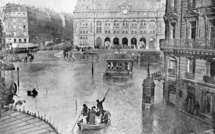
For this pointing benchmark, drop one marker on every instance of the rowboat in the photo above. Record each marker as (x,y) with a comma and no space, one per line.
(86,127)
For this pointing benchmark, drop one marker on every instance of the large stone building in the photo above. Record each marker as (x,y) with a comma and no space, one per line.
(15,24)
(133,23)
(189,56)
(1,26)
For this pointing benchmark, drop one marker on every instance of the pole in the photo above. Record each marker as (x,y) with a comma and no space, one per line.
(107,92)
(92,66)
(76,105)
(148,67)
(18,76)
(76,122)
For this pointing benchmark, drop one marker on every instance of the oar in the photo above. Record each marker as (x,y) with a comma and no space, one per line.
(107,92)
(76,121)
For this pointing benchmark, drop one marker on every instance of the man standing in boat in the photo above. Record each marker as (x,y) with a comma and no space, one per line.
(85,111)
(99,105)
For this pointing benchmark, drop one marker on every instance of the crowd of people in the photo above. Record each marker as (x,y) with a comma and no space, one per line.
(119,66)
(95,116)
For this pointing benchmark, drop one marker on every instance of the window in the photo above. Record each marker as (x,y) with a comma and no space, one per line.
(116,23)
(14,33)
(98,23)
(14,40)
(98,30)
(107,23)
(125,23)
(172,67)
(212,2)
(20,40)
(134,23)
(25,40)
(173,5)
(191,68)
(172,31)
(24,27)
(212,33)
(212,68)
(193,29)
(206,99)
(191,4)
(98,27)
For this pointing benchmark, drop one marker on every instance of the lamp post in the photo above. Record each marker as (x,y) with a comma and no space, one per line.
(92,65)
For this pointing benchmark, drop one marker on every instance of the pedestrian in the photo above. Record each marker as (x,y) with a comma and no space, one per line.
(99,105)
(92,116)
(85,111)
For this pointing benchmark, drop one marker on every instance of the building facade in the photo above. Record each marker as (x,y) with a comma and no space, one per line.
(1,26)
(189,56)
(15,24)
(129,23)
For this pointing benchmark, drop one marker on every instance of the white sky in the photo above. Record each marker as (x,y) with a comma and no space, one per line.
(58,5)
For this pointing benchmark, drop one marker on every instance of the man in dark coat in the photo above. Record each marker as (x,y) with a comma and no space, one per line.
(99,105)
(85,110)
(104,117)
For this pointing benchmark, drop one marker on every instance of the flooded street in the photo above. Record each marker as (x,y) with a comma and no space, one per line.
(61,83)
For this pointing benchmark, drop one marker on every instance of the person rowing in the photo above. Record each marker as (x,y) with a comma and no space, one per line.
(100,105)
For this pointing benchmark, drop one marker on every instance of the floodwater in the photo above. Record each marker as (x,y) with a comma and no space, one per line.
(62,83)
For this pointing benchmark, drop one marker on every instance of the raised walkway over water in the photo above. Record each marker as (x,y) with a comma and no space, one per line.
(15,121)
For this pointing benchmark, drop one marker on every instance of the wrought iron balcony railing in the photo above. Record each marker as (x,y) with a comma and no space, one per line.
(187,44)
(172,72)
(209,79)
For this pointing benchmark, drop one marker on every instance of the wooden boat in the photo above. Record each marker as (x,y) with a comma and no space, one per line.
(86,127)
(119,65)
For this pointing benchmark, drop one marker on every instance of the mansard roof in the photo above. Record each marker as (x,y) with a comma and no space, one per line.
(113,5)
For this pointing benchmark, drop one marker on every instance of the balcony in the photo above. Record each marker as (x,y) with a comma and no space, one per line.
(209,79)
(187,44)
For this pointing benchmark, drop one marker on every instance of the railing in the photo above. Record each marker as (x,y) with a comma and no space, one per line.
(187,44)
(172,72)
(44,118)
(209,79)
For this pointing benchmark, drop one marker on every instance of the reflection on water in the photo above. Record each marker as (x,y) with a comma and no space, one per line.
(61,83)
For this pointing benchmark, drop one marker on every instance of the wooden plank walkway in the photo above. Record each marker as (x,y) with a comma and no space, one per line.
(23,122)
